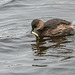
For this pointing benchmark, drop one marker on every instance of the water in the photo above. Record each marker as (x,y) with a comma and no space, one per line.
(21,53)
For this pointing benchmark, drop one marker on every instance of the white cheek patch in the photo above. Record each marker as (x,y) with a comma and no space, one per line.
(35,34)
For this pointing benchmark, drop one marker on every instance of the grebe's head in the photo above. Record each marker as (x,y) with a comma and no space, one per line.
(36,25)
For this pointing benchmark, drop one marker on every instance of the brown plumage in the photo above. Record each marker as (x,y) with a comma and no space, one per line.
(53,27)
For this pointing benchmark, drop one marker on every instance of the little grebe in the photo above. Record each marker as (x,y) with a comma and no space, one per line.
(51,28)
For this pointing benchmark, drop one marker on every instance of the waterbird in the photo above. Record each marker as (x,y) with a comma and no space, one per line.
(52,28)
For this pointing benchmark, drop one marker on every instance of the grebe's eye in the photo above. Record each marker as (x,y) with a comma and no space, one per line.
(35,26)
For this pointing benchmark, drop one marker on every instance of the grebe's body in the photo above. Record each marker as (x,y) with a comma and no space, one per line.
(53,27)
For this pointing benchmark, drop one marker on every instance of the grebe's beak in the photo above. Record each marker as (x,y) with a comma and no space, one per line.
(33,31)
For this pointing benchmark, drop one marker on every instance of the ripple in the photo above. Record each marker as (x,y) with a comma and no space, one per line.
(2,2)
(21,53)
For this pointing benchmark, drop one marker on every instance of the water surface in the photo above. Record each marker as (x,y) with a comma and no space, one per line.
(21,53)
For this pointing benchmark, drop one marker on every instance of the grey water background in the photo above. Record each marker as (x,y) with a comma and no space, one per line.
(21,53)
